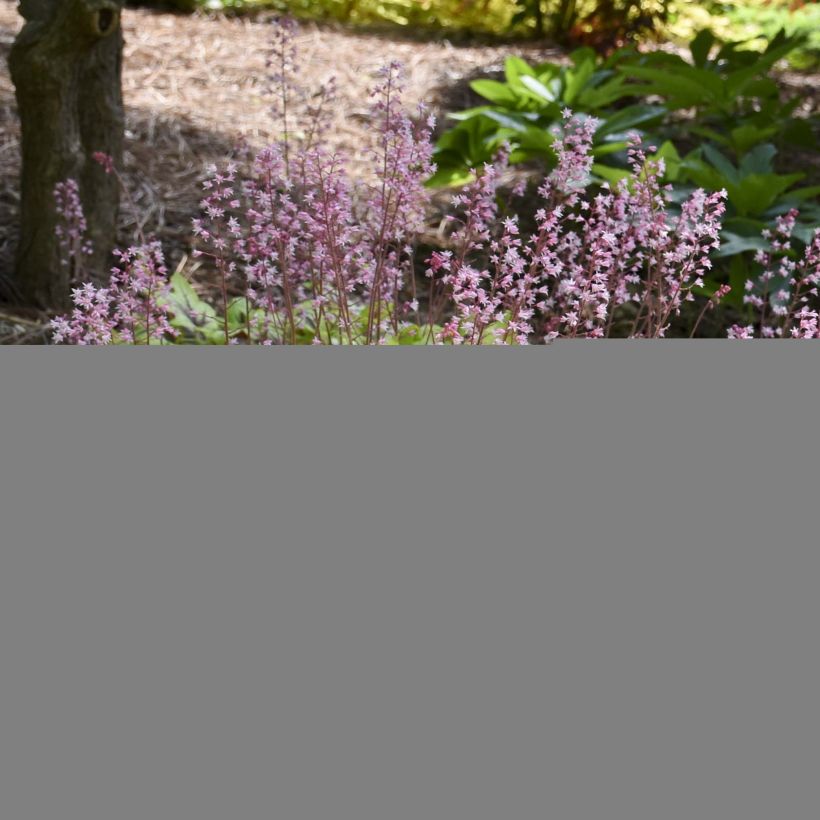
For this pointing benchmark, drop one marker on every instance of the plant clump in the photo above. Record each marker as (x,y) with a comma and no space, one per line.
(305,253)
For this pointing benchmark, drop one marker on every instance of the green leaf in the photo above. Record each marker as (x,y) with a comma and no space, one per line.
(672,160)
(610,174)
(702,174)
(758,160)
(629,118)
(547,71)
(607,148)
(515,68)
(802,194)
(758,192)
(583,56)
(701,46)
(469,113)
(575,79)
(593,98)
(721,163)
(538,141)
(507,120)
(541,91)
(761,87)
(415,335)
(685,87)
(193,317)
(450,177)
(710,134)
(732,244)
(745,137)
(495,92)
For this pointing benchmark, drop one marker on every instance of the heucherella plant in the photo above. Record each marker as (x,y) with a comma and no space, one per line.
(71,229)
(304,251)
(590,260)
(785,296)
(318,256)
(133,309)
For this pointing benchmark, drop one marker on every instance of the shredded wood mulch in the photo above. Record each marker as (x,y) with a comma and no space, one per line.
(196,90)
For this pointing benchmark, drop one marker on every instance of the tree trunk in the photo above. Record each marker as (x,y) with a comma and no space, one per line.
(66,65)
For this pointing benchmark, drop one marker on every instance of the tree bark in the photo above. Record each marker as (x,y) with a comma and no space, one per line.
(66,65)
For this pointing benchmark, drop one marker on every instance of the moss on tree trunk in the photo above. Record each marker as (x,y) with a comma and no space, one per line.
(66,65)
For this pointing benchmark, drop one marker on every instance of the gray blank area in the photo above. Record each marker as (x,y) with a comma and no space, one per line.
(570,600)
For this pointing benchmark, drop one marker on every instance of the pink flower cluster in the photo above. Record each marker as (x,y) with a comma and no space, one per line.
(785,295)
(304,241)
(587,260)
(131,310)
(71,228)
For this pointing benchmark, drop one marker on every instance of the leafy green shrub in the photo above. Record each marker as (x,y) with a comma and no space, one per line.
(727,98)
(524,107)
(725,94)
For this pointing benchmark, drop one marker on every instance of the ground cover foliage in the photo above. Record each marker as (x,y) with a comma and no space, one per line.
(305,253)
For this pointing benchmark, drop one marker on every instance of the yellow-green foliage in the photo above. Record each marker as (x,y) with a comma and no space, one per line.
(481,16)
(728,19)
(475,15)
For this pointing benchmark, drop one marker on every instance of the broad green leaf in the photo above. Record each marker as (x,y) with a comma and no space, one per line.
(450,177)
(468,113)
(583,56)
(547,71)
(415,335)
(507,120)
(495,92)
(515,68)
(607,148)
(610,174)
(685,87)
(539,89)
(745,137)
(802,194)
(758,160)
(800,133)
(702,174)
(721,163)
(538,140)
(758,192)
(592,98)
(672,160)
(762,87)
(191,315)
(732,244)
(710,134)
(629,118)
(575,79)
